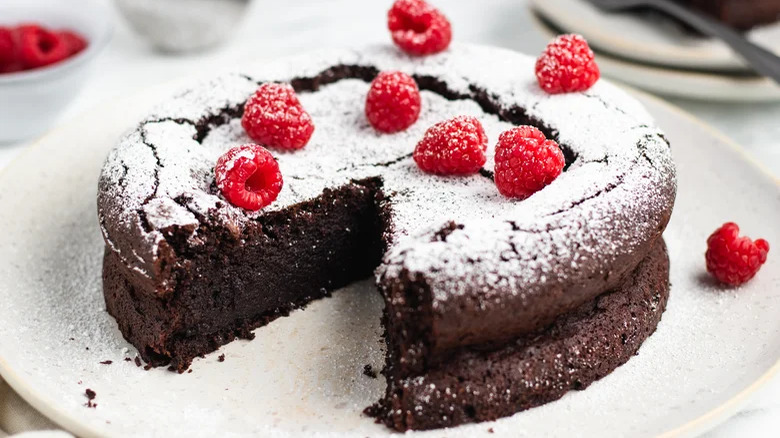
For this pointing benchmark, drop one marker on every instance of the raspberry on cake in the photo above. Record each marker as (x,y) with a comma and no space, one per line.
(526,161)
(452,147)
(248,176)
(418,28)
(475,285)
(734,259)
(567,65)
(275,117)
(392,102)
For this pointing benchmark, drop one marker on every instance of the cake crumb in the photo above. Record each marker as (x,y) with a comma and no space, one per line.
(369,371)
(189,370)
(127,359)
(221,358)
(137,361)
(107,362)
(90,397)
(490,430)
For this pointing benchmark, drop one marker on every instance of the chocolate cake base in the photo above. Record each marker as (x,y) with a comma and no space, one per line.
(474,385)
(329,242)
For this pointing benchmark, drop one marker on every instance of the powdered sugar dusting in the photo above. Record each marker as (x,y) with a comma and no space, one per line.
(603,207)
(231,163)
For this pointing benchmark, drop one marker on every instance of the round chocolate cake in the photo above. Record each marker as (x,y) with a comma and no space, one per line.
(467,274)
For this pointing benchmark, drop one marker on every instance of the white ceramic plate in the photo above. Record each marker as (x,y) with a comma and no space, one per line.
(303,374)
(675,82)
(653,40)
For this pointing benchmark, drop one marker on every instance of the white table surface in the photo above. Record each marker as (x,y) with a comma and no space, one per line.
(274,28)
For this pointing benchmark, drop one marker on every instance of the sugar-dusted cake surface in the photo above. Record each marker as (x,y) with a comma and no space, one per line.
(459,265)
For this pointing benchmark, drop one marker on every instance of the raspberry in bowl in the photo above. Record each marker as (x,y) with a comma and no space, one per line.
(46,50)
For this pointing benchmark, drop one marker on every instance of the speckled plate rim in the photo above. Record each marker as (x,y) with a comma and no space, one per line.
(689,84)
(698,425)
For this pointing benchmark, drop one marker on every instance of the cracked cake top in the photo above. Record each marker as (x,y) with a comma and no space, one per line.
(611,202)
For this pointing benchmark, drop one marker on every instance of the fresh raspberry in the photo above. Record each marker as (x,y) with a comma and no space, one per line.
(418,28)
(733,259)
(567,65)
(248,176)
(75,42)
(393,102)
(526,162)
(7,49)
(275,117)
(452,147)
(38,47)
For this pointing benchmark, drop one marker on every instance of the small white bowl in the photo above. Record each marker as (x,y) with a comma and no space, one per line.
(181,26)
(31,101)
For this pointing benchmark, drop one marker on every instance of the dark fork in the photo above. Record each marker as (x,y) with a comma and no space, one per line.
(761,60)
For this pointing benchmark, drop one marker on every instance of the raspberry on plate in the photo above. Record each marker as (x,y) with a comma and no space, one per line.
(393,102)
(567,65)
(526,162)
(39,47)
(418,28)
(733,259)
(248,177)
(274,117)
(452,147)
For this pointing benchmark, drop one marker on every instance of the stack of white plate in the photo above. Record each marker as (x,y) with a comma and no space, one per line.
(659,55)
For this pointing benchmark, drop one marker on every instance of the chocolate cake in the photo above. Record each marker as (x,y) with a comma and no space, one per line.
(467,274)
(474,384)
(740,14)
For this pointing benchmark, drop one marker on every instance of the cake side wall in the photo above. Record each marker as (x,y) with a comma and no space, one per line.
(475,385)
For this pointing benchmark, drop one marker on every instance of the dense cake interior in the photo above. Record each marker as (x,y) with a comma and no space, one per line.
(232,284)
